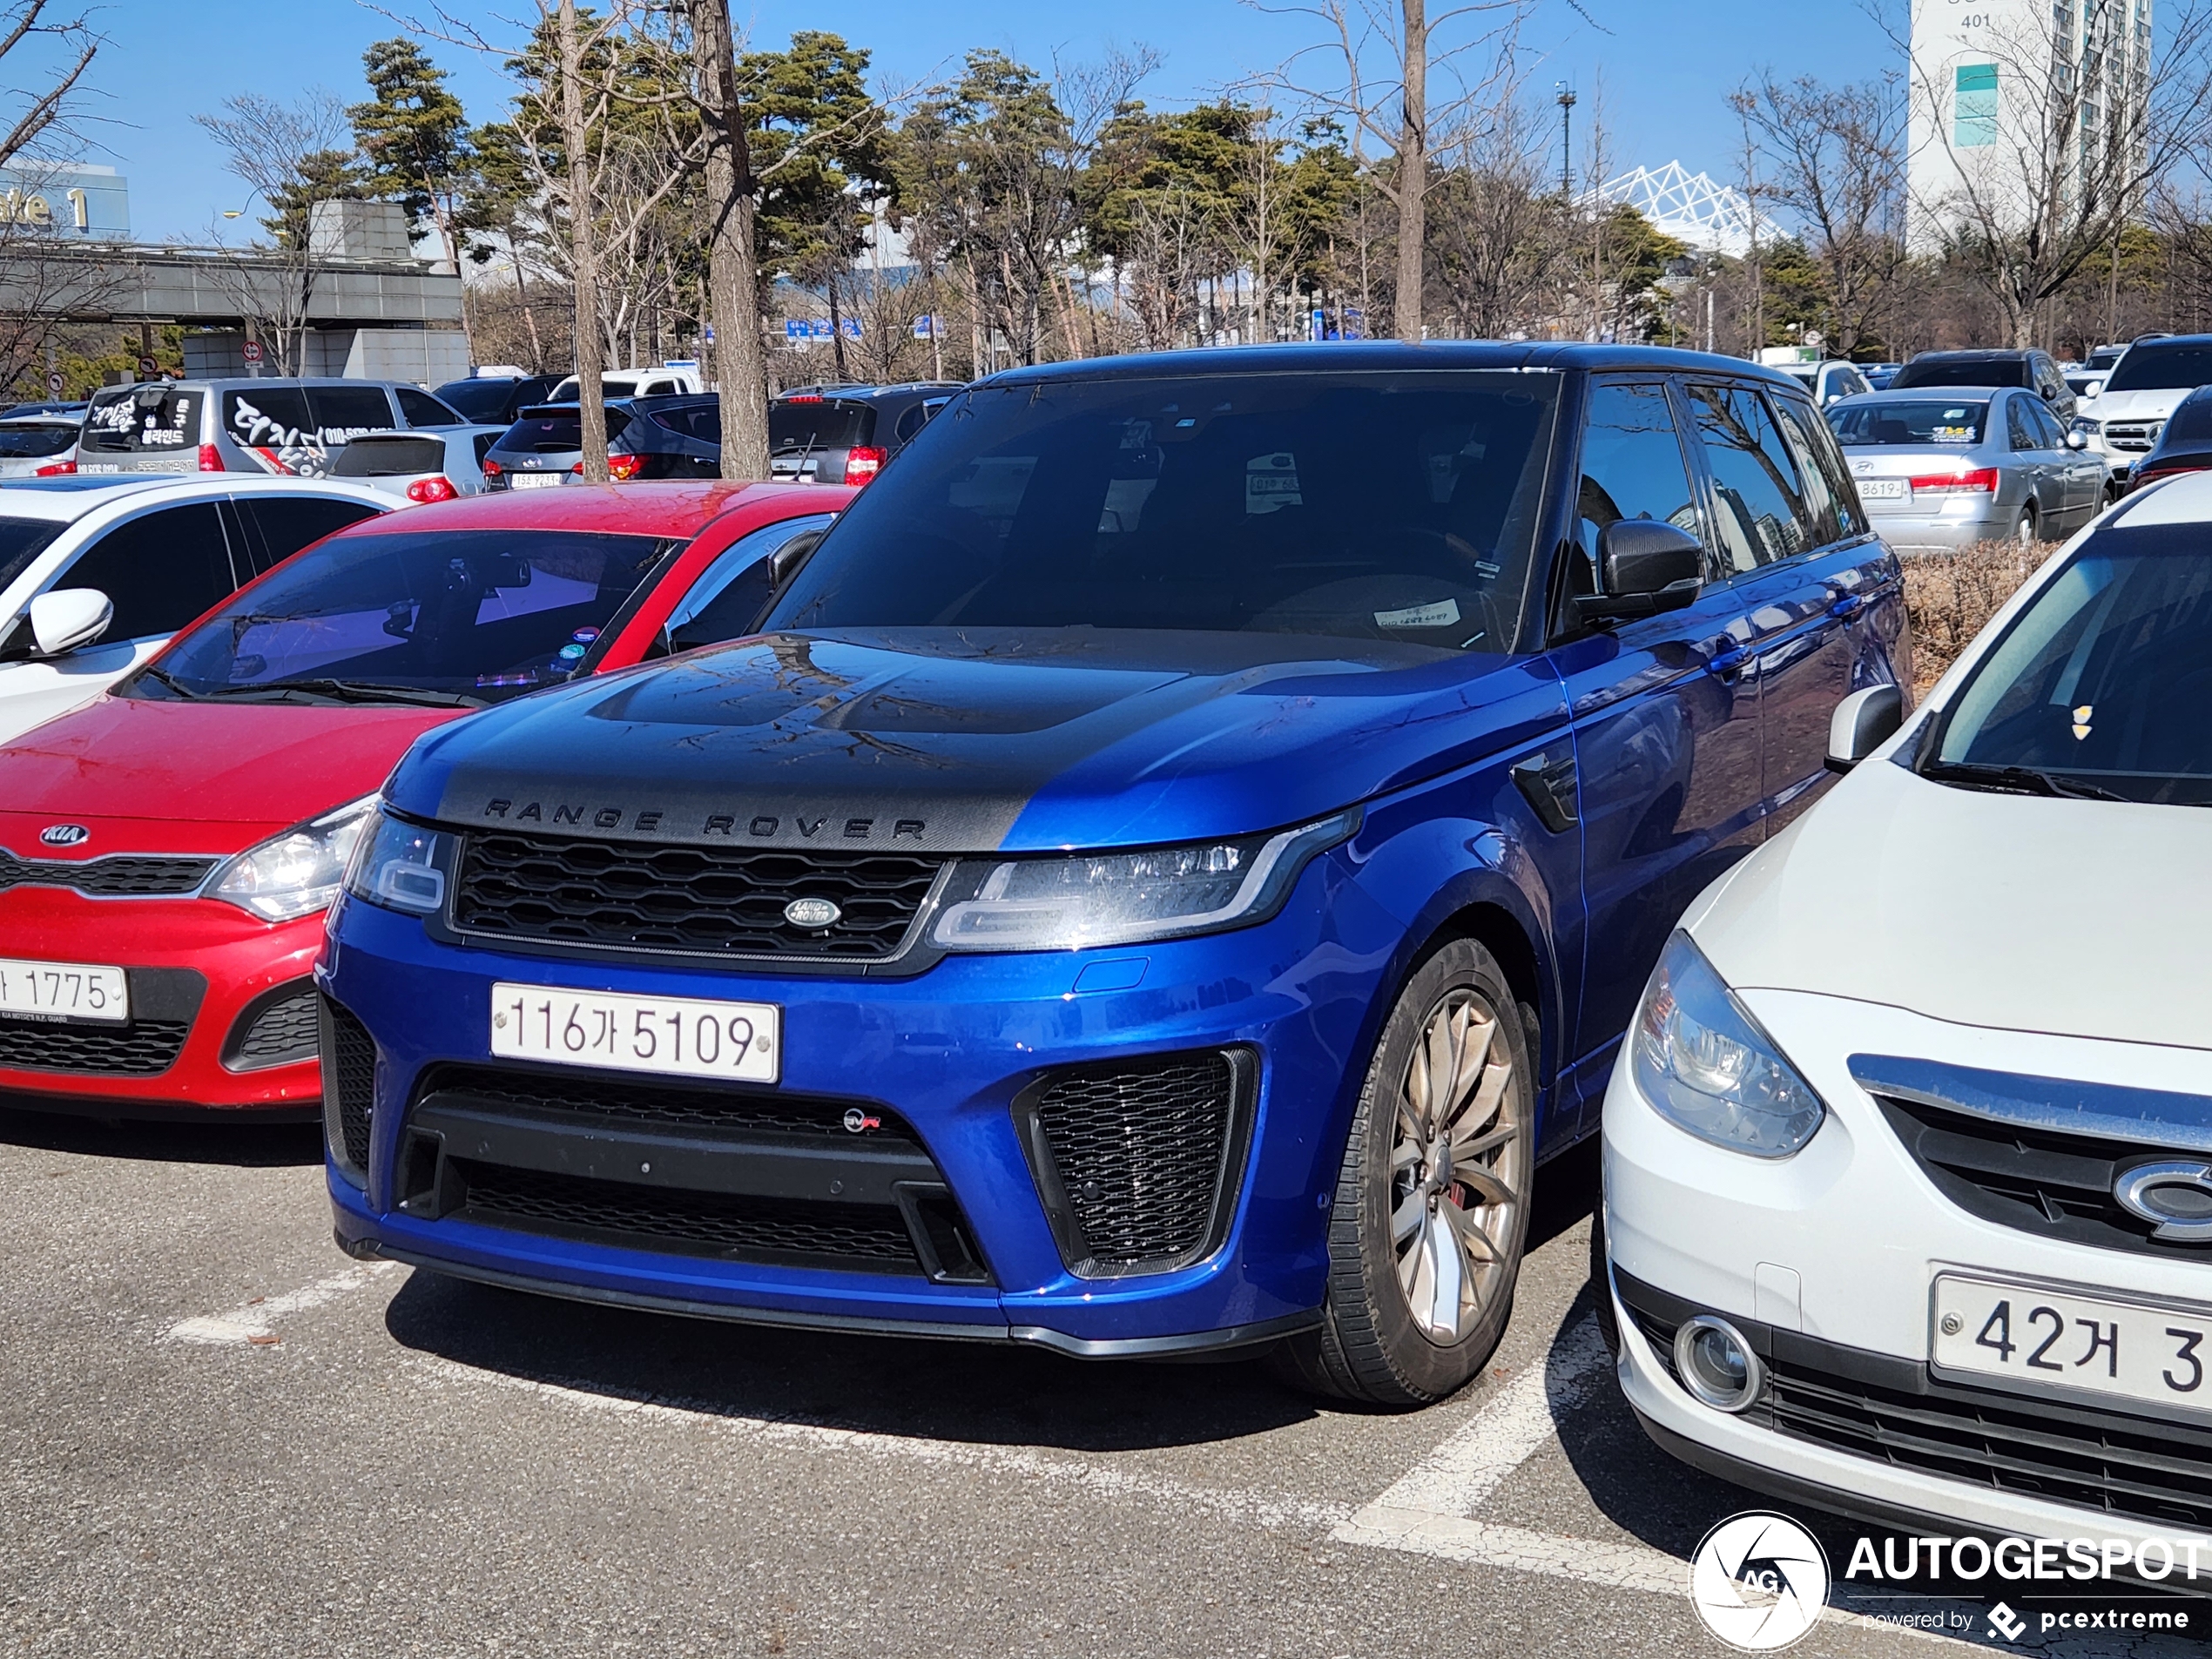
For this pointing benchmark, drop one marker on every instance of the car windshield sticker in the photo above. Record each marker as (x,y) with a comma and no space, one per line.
(1270,483)
(1442,615)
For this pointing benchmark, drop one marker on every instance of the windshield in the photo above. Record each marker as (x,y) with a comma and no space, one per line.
(142,418)
(1915,421)
(486,614)
(1964,371)
(22,540)
(2162,368)
(2105,678)
(1396,506)
(30,443)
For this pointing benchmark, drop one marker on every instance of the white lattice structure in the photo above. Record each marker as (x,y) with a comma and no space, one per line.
(1688,206)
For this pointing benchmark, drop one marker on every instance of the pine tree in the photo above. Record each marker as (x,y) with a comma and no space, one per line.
(416,139)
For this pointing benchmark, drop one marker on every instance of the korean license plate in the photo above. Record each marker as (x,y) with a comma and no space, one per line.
(532,480)
(2144,1353)
(1882,490)
(676,1036)
(64,990)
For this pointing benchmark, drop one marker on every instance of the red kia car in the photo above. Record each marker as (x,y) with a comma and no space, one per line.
(167,852)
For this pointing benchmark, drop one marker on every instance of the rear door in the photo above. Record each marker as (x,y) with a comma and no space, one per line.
(1665,724)
(2024,441)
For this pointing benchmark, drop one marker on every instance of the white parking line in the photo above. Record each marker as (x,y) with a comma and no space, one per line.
(251,1324)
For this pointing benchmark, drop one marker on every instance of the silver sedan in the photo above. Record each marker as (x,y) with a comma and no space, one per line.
(1941,467)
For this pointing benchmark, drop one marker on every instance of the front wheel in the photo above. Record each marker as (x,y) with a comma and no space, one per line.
(2024,532)
(1432,1204)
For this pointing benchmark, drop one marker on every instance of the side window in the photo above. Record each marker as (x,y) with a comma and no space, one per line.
(1632,467)
(341,411)
(2053,434)
(278,526)
(731,592)
(484,442)
(274,419)
(161,570)
(910,421)
(419,408)
(1821,463)
(2020,423)
(1758,489)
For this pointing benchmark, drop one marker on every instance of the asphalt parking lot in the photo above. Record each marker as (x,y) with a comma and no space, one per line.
(220,1437)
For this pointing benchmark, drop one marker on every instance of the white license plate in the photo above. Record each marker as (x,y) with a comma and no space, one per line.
(532,480)
(1882,490)
(2144,1353)
(64,990)
(677,1036)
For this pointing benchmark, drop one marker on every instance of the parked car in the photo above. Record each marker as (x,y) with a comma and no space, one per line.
(2184,442)
(2145,386)
(2036,370)
(38,446)
(1878,375)
(1828,382)
(494,400)
(666,380)
(166,853)
(49,408)
(1907,1198)
(647,438)
(97,573)
(1940,469)
(421,466)
(846,434)
(1176,857)
(293,428)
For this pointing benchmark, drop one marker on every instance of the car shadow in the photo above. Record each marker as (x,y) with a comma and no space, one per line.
(243,1145)
(972,1393)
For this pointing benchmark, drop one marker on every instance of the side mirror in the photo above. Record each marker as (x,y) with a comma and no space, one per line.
(783,563)
(2077,440)
(1861,723)
(67,617)
(1648,566)
(2090,391)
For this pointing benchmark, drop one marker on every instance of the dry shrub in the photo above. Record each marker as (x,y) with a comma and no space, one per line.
(1951,596)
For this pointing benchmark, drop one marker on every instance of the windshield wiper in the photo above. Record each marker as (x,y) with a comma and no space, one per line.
(357,692)
(167,679)
(2027,780)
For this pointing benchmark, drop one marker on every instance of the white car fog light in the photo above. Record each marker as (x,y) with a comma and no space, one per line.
(1717,1365)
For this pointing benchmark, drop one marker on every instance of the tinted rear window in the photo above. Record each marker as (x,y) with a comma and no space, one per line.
(556,432)
(800,427)
(2159,367)
(1936,420)
(479,402)
(133,419)
(30,443)
(383,457)
(1970,371)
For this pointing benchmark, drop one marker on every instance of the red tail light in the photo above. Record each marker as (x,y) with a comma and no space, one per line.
(2172,468)
(621,468)
(493,470)
(863,462)
(1980,481)
(801,397)
(57,469)
(210,458)
(426,490)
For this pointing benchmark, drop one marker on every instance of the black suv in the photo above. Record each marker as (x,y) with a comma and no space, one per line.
(675,436)
(844,435)
(2037,370)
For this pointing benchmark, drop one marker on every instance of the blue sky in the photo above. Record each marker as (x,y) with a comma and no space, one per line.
(1664,67)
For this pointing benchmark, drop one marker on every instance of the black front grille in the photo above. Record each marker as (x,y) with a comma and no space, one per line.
(600,1098)
(717,902)
(688,1224)
(140,1048)
(1135,1160)
(348,1085)
(121,875)
(2047,1181)
(281,1026)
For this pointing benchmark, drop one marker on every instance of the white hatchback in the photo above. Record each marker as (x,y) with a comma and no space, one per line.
(96,573)
(1908,1154)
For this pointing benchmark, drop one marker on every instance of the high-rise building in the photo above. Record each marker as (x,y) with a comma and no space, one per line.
(2018,105)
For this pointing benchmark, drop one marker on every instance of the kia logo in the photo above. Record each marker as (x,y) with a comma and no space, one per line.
(2175,1197)
(812,913)
(64,835)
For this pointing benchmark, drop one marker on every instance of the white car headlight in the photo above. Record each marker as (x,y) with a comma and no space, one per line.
(1095,899)
(400,866)
(295,873)
(1701,1061)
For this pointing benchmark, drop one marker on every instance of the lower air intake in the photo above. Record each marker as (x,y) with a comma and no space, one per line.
(348,1088)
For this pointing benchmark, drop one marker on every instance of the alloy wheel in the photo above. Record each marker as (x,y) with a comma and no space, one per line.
(1456,1160)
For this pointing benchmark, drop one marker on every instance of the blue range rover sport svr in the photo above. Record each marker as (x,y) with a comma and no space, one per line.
(1173,860)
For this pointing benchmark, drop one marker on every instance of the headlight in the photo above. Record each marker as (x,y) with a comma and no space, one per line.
(1702,1060)
(1121,898)
(297,873)
(2087,427)
(399,867)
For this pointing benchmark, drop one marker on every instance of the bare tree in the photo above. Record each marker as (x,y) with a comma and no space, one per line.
(1381,58)
(1499,234)
(733,278)
(45,283)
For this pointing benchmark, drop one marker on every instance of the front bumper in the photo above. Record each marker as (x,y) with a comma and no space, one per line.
(1830,1257)
(201,974)
(950,1052)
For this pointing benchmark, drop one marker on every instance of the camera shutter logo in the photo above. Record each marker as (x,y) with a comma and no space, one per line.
(1759,1581)
(64,835)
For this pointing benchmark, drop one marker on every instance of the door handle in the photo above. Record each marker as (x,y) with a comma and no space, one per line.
(1723,664)
(1844,604)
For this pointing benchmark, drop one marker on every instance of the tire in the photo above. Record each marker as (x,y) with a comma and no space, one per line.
(1431,1203)
(1609,1321)
(2024,532)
